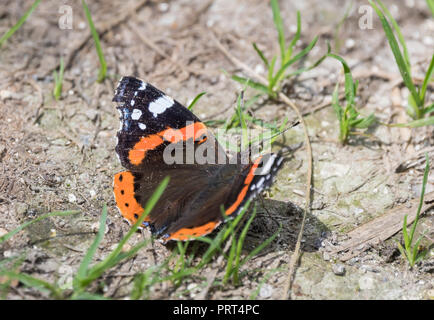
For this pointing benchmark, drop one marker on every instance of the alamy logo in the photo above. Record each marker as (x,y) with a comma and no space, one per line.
(65,20)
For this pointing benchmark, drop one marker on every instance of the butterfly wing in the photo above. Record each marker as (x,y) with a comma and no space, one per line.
(152,123)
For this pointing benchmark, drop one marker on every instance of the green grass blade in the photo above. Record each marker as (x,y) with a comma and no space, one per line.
(261,246)
(89,296)
(279,27)
(335,103)
(427,79)
(255,85)
(191,105)
(180,264)
(34,283)
(240,244)
(297,57)
(12,30)
(407,242)
(364,123)
(103,67)
(402,250)
(429,109)
(10,234)
(349,83)
(271,72)
(215,244)
(422,195)
(430,4)
(416,123)
(84,266)
(402,65)
(261,55)
(108,262)
(58,80)
(294,40)
(230,262)
(242,121)
(398,33)
(314,65)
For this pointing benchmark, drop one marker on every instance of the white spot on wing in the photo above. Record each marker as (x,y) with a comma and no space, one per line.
(160,105)
(132,102)
(142,126)
(260,182)
(268,165)
(142,86)
(136,114)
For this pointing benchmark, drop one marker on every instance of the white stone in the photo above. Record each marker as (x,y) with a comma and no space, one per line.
(72,198)
(266,291)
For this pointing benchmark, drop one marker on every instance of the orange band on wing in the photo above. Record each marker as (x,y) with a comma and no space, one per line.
(138,152)
(123,188)
(187,233)
(243,192)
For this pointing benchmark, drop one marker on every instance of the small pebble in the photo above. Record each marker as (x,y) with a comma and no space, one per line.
(53,233)
(163,7)
(266,291)
(349,43)
(72,198)
(338,269)
(7,254)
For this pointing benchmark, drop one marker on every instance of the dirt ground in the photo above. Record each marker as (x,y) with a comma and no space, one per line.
(59,155)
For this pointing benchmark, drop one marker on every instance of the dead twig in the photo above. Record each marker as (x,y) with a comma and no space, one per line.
(414,160)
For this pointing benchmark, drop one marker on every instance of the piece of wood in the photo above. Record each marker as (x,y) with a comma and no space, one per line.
(381,228)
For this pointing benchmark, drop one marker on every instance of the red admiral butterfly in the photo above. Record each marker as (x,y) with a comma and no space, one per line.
(191,206)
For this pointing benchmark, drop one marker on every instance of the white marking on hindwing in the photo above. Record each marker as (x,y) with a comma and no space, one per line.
(121,122)
(279,161)
(136,114)
(160,105)
(142,125)
(268,165)
(132,103)
(260,182)
(142,86)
